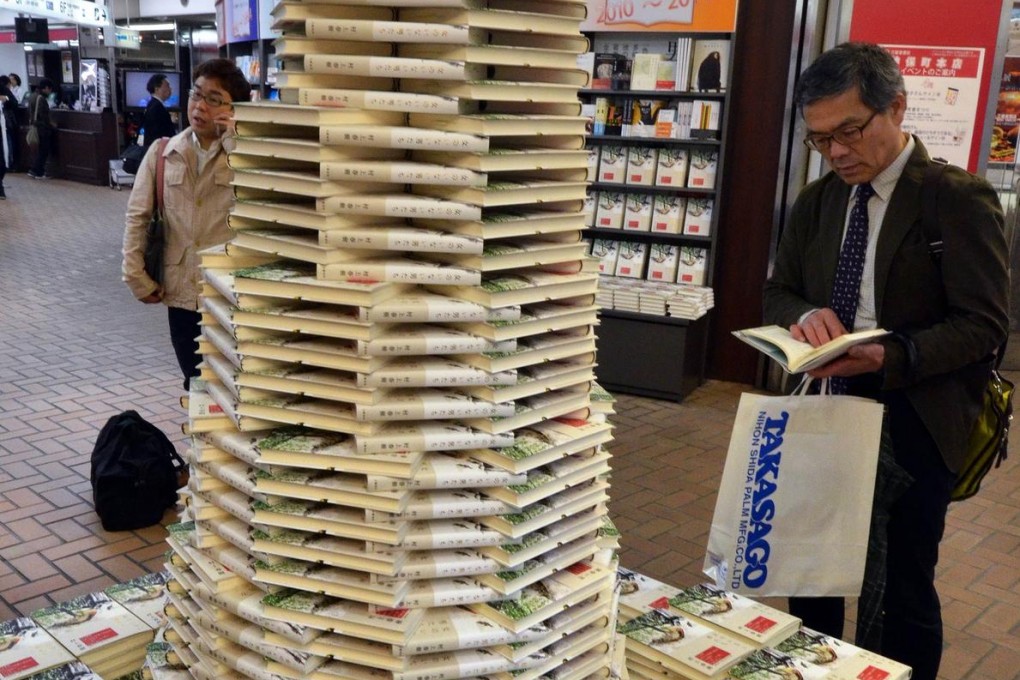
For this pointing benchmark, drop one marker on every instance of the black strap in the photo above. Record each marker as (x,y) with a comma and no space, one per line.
(933,230)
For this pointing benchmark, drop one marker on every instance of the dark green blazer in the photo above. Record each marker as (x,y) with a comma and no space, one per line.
(955,313)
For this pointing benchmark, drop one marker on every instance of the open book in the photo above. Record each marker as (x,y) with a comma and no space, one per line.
(796,356)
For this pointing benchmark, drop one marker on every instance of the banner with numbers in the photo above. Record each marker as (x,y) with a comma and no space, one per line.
(75,11)
(943,87)
(705,16)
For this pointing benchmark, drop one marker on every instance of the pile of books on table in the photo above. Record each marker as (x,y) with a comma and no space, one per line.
(703,632)
(682,301)
(396,469)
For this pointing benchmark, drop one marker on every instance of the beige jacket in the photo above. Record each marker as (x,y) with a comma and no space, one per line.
(196,209)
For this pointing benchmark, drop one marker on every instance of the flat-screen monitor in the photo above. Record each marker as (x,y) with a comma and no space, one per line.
(31,30)
(136,96)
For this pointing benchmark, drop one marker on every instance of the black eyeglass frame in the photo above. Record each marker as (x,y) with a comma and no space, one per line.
(847,136)
(212,99)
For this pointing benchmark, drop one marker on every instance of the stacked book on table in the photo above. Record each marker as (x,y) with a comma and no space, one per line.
(703,632)
(396,469)
(683,301)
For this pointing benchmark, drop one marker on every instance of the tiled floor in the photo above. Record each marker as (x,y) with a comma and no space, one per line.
(75,348)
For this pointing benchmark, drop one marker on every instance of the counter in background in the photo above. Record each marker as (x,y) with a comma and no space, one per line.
(85,144)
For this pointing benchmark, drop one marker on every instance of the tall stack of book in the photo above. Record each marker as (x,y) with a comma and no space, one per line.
(396,469)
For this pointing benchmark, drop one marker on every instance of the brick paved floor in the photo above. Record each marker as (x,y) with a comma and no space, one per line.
(76,348)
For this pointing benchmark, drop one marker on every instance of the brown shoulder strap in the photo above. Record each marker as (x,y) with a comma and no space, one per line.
(160,163)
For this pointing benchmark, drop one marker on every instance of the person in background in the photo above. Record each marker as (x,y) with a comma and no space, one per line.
(39,116)
(17,89)
(8,107)
(197,198)
(156,122)
(855,256)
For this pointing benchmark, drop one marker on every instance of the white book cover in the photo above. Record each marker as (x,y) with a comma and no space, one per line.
(698,218)
(641,165)
(594,151)
(671,168)
(605,251)
(682,644)
(639,593)
(710,65)
(632,259)
(742,616)
(668,214)
(27,649)
(704,163)
(637,213)
(662,262)
(644,71)
(841,660)
(692,266)
(144,596)
(705,116)
(89,623)
(613,164)
(609,213)
(589,208)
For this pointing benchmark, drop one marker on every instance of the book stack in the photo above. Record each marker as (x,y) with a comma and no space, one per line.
(396,470)
(99,631)
(26,649)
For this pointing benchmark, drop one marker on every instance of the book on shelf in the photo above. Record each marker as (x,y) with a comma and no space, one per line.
(637,213)
(641,164)
(539,515)
(589,207)
(592,152)
(683,63)
(390,626)
(609,210)
(430,436)
(508,193)
(509,159)
(553,478)
(797,356)
(360,170)
(93,627)
(520,252)
(26,649)
(354,64)
(693,266)
(632,259)
(668,214)
(705,114)
(531,410)
(671,167)
(543,443)
(701,174)
(598,114)
(495,20)
(394,269)
(534,545)
(526,286)
(286,14)
(606,251)
(340,522)
(501,124)
(585,61)
(536,349)
(379,100)
(297,281)
(644,70)
(681,645)
(217,257)
(263,151)
(734,614)
(399,137)
(444,471)
(663,259)
(638,592)
(604,67)
(291,45)
(644,115)
(499,55)
(553,218)
(710,65)
(70,670)
(698,216)
(431,405)
(312,117)
(839,659)
(613,164)
(305,184)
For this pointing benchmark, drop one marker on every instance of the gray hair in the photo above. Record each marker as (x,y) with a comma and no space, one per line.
(868,67)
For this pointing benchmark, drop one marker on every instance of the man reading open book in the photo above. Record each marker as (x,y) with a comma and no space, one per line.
(854,256)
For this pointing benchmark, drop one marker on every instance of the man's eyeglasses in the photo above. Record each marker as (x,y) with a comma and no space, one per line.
(212,99)
(847,136)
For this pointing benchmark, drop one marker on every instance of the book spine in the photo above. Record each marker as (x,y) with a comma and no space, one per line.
(399,206)
(454,311)
(401,173)
(385,67)
(389,31)
(419,139)
(396,272)
(378,100)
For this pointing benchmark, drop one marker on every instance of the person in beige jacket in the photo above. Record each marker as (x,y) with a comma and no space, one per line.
(197,197)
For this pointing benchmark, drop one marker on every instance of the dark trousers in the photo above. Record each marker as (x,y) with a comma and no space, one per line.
(42,152)
(912,625)
(184,329)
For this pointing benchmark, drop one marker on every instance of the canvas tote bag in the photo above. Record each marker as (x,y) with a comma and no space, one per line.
(794,505)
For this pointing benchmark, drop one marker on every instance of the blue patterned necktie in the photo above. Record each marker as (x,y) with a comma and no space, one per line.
(847,287)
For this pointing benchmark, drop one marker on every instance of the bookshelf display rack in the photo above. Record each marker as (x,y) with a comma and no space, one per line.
(670,363)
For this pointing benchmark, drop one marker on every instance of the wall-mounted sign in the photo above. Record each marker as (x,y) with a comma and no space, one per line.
(943,85)
(75,11)
(126,38)
(661,15)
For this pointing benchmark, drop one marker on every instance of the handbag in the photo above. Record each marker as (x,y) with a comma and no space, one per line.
(32,136)
(988,442)
(794,507)
(155,233)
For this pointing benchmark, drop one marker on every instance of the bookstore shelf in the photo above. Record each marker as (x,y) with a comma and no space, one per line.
(646,189)
(660,94)
(651,141)
(648,237)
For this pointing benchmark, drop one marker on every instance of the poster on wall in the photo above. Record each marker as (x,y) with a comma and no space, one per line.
(661,15)
(266,31)
(242,20)
(66,67)
(221,23)
(943,86)
(1007,114)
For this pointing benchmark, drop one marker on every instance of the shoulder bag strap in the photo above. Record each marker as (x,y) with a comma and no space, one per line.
(932,228)
(35,111)
(160,163)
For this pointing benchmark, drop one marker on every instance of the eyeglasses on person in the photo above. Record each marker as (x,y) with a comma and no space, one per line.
(847,136)
(212,99)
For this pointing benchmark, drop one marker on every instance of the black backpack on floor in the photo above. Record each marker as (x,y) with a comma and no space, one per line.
(132,157)
(134,473)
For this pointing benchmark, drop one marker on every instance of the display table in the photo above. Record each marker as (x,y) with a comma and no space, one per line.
(85,144)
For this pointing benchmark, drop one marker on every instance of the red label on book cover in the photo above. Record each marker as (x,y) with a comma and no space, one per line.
(393,613)
(18,666)
(660,226)
(661,603)
(760,624)
(635,178)
(686,278)
(625,270)
(695,229)
(666,180)
(609,176)
(98,636)
(633,223)
(656,275)
(578,568)
(605,220)
(712,655)
(697,181)
(872,673)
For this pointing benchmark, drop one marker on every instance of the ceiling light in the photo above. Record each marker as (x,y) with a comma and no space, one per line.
(169,26)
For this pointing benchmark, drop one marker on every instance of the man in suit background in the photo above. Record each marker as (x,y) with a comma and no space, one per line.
(947,314)
(157,122)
